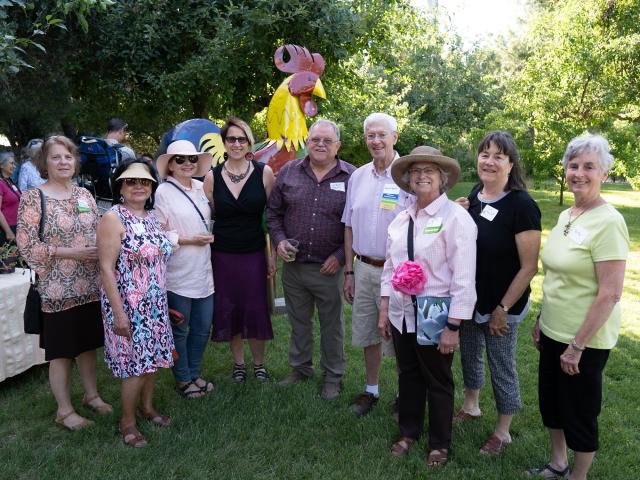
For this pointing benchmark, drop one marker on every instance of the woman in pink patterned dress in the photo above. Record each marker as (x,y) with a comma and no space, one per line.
(133,251)
(66,263)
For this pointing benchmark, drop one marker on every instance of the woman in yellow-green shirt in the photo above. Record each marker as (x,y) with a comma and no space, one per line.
(584,261)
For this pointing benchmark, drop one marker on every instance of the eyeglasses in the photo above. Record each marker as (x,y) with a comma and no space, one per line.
(240,140)
(180,159)
(419,171)
(323,141)
(372,136)
(145,182)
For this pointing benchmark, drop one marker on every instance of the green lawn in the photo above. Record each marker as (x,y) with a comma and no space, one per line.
(265,432)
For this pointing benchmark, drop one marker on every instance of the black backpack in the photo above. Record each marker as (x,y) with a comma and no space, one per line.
(98,160)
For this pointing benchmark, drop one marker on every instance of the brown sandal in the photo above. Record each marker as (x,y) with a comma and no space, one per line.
(438,457)
(155,417)
(401,447)
(132,437)
(60,421)
(101,409)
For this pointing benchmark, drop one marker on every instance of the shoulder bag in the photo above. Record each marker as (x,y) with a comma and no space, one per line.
(33,305)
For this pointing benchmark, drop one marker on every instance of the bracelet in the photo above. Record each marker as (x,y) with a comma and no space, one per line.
(452,326)
(577,347)
(348,272)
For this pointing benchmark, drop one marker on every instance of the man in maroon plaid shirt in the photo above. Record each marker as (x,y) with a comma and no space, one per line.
(306,205)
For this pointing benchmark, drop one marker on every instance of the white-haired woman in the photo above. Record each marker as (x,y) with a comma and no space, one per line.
(584,261)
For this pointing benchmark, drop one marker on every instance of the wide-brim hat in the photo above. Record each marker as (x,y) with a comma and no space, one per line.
(137,170)
(186,148)
(424,154)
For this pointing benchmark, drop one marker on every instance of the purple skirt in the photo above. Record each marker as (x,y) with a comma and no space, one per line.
(240,300)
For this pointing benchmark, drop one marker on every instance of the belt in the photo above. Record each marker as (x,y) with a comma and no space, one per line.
(371,261)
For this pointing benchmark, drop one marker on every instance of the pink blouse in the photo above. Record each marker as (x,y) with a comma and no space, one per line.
(63,283)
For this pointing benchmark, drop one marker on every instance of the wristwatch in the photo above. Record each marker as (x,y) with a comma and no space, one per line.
(506,309)
(452,326)
(348,272)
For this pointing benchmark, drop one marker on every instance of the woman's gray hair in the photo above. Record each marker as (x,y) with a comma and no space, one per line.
(33,147)
(444,178)
(5,157)
(324,121)
(589,143)
(379,117)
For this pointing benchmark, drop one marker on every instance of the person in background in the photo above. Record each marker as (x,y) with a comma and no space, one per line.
(67,268)
(181,206)
(373,201)
(29,176)
(584,260)
(133,250)
(238,189)
(508,222)
(306,205)
(444,239)
(9,198)
(117,134)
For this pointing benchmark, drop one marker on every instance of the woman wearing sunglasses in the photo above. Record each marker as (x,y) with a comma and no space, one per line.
(238,189)
(133,250)
(182,206)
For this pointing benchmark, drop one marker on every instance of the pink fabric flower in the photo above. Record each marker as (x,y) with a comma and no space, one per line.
(409,278)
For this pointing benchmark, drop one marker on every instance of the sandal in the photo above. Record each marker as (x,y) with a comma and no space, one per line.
(206,388)
(548,472)
(155,417)
(494,446)
(132,437)
(438,457)
(462,416)
(401,447)
(239,373)
(189,394)
(101,408)
(60,421)
(260,373)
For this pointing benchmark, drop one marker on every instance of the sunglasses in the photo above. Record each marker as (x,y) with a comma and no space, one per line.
(145,182)
(180,159)
(240,140)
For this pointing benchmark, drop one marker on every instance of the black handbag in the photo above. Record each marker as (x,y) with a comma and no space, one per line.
(33,305)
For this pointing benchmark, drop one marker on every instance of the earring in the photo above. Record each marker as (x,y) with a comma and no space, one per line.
(225,155)
(248,156)
(121,199)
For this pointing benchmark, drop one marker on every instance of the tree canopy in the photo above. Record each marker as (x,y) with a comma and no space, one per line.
(158,62)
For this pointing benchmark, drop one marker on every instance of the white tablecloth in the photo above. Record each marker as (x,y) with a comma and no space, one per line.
(18,351)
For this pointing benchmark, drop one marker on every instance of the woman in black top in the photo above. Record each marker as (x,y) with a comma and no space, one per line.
(508,221)
(238,189)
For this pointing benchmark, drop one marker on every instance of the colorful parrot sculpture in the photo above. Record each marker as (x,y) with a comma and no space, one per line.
(291,102)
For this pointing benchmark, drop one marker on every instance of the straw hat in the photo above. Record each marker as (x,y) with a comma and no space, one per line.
(186,148)
(137,170)
(424,154)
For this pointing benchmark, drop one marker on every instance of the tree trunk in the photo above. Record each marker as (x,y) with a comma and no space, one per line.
(199,106)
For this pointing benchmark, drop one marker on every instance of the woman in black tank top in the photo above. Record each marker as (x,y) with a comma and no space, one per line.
(239,189)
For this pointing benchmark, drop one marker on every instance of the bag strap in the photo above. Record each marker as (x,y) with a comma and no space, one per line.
(188,198)
(43,212)
(414,300)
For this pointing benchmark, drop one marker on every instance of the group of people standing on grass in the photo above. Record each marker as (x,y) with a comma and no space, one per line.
(425,275)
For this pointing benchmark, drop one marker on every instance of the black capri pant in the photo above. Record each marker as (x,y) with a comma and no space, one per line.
(571,402)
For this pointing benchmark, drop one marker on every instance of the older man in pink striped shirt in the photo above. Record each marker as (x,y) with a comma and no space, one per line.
(373,201)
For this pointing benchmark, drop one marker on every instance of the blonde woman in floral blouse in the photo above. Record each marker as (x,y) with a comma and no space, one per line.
(67,267)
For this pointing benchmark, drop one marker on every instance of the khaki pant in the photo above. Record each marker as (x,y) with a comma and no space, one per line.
(305,288)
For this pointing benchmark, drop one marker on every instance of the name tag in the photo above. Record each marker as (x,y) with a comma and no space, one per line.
(337,186)
(578,234)
(138,228)
(390,196)
(489,212)
(83,206)
(434,225)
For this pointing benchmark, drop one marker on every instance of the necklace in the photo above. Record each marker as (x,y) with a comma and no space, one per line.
(239,177)
(567,227)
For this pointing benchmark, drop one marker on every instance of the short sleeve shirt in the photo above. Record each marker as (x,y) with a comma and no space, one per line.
(570,284)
